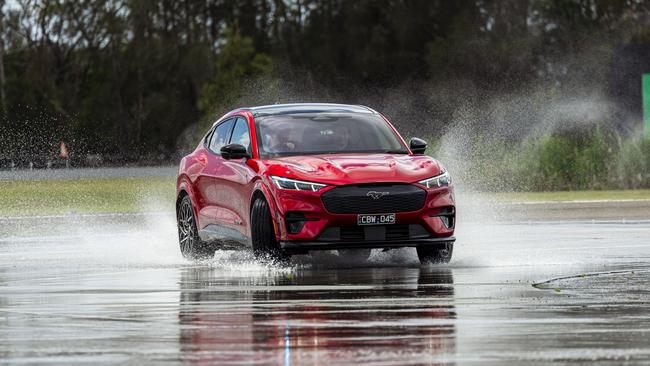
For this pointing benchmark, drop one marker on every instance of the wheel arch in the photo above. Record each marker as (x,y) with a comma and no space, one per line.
(181,194)
(184,188)
(262,191)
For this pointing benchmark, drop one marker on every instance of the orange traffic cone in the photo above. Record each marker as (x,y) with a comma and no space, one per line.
(63,153)
(63,150)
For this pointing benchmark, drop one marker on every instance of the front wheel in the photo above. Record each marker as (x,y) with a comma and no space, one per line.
(265,245)
(191,245)
(440,253)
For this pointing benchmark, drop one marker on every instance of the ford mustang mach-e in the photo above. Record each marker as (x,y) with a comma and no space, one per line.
(295,178)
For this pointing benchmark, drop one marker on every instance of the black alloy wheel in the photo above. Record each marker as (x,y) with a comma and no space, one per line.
(191,245)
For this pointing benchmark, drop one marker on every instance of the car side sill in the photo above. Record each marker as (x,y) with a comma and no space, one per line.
(216,233)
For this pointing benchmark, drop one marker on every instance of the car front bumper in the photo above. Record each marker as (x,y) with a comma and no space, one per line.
(317,218)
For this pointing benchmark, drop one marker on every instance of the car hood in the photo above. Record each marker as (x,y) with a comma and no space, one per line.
(339,169)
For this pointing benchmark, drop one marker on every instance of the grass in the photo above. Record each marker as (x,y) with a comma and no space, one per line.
(628,194)
(124,195)
(121,195)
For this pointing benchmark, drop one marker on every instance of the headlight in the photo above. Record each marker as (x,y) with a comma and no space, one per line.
(438,181)
(296,185)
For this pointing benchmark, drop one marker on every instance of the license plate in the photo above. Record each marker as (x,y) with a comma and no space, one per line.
(381,219)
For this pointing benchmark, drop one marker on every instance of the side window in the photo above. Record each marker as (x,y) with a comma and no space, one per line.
(240,134)
(220,136)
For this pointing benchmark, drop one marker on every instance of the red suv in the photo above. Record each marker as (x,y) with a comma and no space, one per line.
(293,178)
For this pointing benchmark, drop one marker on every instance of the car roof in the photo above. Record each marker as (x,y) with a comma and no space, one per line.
(276,109)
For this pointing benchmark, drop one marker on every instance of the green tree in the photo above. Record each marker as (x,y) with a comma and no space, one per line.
(236,62)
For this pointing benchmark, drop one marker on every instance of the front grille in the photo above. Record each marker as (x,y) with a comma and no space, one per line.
(374,233)
(374,198)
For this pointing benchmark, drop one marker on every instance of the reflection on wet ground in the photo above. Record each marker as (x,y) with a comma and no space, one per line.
(116,291)
(302,320)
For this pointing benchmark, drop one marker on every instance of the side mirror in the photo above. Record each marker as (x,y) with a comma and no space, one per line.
(234,151)
(417,146)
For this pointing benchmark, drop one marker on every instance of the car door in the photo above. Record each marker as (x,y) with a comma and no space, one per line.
(236,182)
(213,168)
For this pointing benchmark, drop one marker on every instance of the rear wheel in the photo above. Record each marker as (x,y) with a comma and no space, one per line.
(265,244)
(440,253)
(191,245)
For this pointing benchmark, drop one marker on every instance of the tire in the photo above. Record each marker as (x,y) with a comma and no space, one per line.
(356,255)
(440,253)
(191,245)
(265,244)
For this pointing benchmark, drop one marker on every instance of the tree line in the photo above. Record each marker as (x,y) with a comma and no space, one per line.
(142,77)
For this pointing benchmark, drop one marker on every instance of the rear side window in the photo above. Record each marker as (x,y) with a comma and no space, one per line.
(220,136)
(240,134)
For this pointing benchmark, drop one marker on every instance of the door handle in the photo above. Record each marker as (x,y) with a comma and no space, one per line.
(202,159)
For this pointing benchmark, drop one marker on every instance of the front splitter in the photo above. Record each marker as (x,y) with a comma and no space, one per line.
(301,246)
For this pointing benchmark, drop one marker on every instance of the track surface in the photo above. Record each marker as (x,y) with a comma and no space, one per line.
(114,290)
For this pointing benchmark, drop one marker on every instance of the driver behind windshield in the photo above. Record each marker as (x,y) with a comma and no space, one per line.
(299,134)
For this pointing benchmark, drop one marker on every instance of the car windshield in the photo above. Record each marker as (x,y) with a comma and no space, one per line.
(325,133)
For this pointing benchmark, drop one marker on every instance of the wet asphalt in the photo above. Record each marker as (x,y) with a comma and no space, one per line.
(113,289)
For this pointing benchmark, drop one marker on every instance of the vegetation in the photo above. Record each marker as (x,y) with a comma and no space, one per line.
(569,160)
(128,77)
(533,94)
